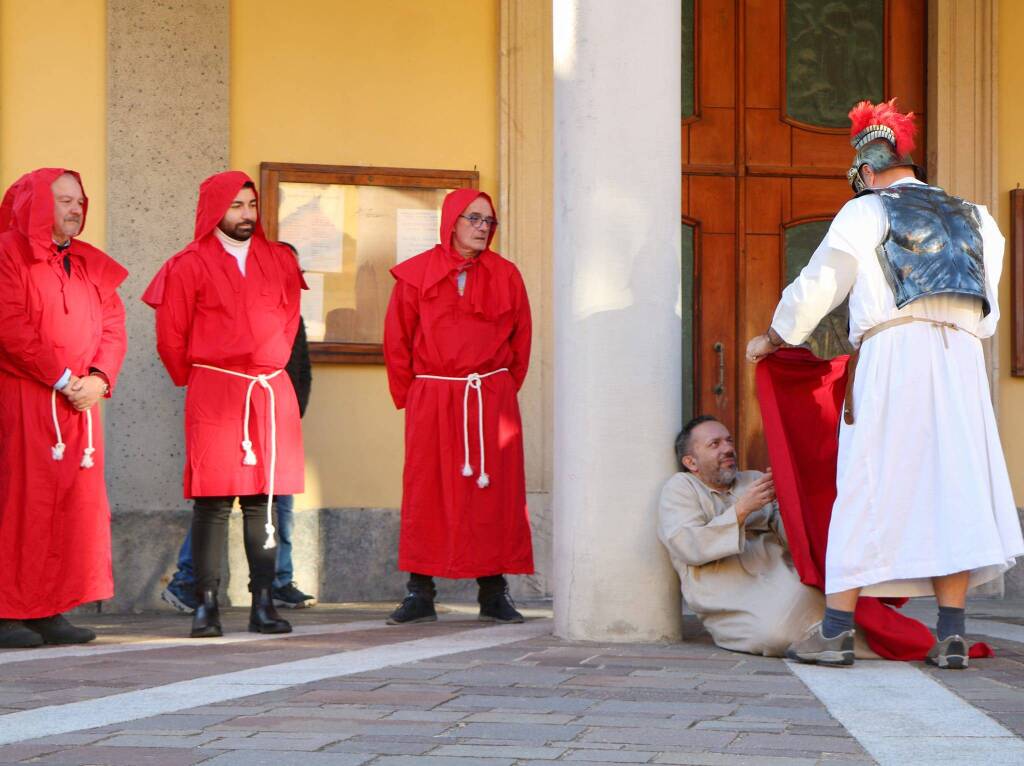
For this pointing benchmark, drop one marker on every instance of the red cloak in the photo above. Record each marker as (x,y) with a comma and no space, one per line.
(54,514)
(451,527)
(208,313)
(801,398)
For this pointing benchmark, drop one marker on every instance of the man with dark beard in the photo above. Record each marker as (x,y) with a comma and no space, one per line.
(723,531)
(227,310)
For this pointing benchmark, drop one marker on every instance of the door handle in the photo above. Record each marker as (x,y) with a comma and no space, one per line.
(719,348)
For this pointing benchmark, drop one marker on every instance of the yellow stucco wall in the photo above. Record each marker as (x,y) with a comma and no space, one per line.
(345,82)
(53,95)
(1011,173)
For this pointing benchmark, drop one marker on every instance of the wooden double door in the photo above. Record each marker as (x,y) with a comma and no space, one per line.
(767,85)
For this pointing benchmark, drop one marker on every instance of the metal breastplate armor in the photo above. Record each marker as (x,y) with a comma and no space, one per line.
(932,244)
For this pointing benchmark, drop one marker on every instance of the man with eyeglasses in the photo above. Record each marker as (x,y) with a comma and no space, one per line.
(457,347)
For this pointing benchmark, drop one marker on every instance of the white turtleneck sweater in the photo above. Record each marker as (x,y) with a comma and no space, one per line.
(238,248)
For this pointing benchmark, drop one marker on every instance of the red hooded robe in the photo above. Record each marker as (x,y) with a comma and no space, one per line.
(208,313)
(451,527)
(54,514)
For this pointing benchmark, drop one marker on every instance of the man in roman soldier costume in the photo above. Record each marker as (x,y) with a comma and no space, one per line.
(924,505)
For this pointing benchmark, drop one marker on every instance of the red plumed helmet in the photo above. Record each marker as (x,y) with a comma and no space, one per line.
(869,122)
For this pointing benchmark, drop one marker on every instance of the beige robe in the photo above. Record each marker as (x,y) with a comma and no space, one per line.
(740,582)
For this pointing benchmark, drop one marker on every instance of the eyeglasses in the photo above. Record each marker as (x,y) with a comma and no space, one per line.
(478,221)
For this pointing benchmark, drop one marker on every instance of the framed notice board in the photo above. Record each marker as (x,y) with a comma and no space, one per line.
(350,225)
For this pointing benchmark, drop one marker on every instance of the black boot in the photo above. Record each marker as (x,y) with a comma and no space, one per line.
(263,617)
(415,607)
(206,620)
(57,630)
(495,603)
(418,604)
(14,635)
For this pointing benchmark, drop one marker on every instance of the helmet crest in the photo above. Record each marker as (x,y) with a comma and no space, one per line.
(869,122)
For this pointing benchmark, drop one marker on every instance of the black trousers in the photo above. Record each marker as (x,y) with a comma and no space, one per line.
(210,534)
(490,586)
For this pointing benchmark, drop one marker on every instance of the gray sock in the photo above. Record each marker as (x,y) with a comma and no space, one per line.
(836,621)
(952,622)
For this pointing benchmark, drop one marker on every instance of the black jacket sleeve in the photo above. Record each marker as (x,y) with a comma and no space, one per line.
(299,368)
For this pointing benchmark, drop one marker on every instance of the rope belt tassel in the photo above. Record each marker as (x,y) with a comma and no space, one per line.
(57,450)
(474,382)
(248,456)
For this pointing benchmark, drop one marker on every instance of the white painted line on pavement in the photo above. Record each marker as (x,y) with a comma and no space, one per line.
(902,717)
(1004,630)
(170,698)
(95,650)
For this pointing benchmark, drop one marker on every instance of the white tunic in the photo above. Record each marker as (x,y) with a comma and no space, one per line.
(922,486)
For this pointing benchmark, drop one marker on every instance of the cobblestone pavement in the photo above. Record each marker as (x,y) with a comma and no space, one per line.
(346,690)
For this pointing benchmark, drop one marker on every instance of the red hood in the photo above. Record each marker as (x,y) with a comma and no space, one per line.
(27,208)
(452,208)
(489,292)
(216,194)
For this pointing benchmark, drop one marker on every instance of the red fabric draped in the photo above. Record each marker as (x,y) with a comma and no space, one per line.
(801,398)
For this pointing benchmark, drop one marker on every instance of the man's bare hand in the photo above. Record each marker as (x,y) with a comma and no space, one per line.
(759,347)
(758,495)
(86,391)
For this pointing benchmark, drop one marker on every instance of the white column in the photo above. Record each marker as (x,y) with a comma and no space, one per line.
(617,327)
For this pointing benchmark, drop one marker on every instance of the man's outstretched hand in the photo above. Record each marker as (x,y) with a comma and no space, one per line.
(758,495)
(760,346)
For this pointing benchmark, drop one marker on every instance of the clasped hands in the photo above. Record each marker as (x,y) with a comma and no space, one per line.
(83,392)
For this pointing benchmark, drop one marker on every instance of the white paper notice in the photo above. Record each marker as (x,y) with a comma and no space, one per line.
(313,306)
(312,217)
(417,230)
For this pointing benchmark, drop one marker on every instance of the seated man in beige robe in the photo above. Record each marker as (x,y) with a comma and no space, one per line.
(723,531)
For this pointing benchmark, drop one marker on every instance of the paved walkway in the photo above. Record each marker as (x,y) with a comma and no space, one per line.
(346,690)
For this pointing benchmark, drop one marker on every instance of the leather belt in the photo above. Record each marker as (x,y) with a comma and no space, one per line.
(851,366)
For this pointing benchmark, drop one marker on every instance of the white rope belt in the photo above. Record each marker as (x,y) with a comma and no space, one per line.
(249,457)
(472,382)
(57,450)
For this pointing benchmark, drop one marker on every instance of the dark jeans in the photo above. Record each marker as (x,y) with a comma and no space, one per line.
(283,507)
(209,536)
(185,574)
(490,586)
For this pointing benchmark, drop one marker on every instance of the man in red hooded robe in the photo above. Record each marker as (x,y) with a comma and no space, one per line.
(227,310)
(457,347)
(62,342)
